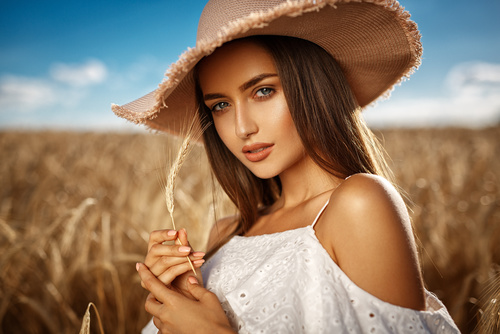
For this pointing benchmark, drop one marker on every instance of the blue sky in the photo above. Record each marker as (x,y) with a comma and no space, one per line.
(62,63)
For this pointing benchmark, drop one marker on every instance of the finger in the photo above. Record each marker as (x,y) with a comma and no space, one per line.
(168,273)
(166,262)
(153,284)
(160,236)
(200,293)
(152,305)
(182,237)
(168,276)
(198,255)
(170,250)
(158,250)
(163,256)
(166,269)
(182,234)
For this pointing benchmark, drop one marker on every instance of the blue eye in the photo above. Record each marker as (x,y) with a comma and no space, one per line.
(219,106)
(263,92)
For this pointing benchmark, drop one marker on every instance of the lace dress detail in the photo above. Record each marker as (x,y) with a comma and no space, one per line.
(286,282)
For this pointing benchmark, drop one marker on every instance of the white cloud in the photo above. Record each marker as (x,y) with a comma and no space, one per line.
(476,73)
(89,73)
(69,95)
(66,87)
(473,100)
(25,94)
(474,79)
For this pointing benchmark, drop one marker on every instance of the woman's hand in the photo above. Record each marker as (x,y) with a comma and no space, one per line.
(168,262)
(174,313)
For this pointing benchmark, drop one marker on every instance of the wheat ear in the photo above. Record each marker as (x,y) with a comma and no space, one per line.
(192,135)
(85,329)
(169,189)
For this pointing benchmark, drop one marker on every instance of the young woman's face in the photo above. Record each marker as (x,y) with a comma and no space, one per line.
(241,87)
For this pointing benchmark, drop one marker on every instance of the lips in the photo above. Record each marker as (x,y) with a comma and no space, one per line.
(257,152)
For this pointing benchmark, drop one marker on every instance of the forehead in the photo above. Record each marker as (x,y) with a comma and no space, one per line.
(235,62)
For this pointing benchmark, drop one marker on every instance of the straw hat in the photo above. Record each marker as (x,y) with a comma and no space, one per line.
(374,41)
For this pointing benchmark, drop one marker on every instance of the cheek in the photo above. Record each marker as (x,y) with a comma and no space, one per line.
(289,132)
(224,131)
(283,119)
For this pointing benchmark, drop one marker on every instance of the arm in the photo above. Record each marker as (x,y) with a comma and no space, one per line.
(175,313)
(367,231)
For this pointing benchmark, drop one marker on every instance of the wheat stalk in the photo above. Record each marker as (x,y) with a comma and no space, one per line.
(192,135)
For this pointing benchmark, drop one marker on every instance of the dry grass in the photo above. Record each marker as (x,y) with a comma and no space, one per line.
(453,178)
(76,211)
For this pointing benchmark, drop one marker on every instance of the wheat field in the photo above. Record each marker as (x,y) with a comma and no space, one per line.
(76,210)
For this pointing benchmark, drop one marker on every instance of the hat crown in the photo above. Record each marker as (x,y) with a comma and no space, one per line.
(218,13)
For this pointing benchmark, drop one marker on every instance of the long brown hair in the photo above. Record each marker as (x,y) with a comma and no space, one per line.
(326,115)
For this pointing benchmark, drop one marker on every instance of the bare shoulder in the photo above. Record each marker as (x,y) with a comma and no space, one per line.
(368,186)
(368,229)
(221,230)
(363,198)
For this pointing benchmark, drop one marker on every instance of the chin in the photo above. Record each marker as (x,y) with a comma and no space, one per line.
(263,173)
(264,176)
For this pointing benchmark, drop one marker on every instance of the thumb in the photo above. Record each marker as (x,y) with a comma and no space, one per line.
(198,291)
(182,235)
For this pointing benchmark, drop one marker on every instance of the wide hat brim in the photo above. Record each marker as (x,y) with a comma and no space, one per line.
(374,41)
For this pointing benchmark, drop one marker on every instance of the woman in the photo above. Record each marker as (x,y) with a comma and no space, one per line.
(323,242)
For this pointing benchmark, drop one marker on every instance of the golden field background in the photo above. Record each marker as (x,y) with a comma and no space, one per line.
(76,210)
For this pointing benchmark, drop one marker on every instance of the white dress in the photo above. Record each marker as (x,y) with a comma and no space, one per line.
(287,282)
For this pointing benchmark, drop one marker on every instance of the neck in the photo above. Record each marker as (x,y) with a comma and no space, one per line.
(304,181)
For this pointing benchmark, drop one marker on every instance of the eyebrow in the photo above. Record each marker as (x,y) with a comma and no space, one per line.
(250,83)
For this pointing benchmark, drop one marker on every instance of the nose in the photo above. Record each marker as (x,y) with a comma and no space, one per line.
(245,124)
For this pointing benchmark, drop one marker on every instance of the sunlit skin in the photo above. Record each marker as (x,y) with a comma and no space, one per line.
(365,228)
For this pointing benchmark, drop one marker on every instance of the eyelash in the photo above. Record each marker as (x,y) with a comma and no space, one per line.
(271,92)
(213,109)
(263,97)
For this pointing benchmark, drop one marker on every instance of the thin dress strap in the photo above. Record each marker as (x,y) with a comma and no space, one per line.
(319,213)
(324,206)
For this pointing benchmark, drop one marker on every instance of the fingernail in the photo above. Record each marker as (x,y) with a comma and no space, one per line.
(137,266)
(192,280)
(184,249)
(198,254)
(198,261)
(171,233)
